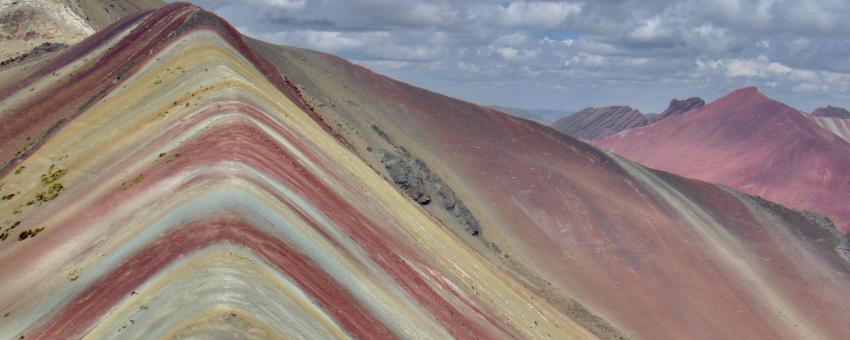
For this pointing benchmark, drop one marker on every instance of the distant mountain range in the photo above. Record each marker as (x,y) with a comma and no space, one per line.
(599,122)
(543,116)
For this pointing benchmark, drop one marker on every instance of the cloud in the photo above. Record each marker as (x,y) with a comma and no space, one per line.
(651,31)
(760,67)
(807,87)
(283,4)
(512,39)
(319,40)
(329,41)
(577,52)
(428,13)
(538,13)
(726,9)
(774,74)
(593,60)
(565,43)
(513,54)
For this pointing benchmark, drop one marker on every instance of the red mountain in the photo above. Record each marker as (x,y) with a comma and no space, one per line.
(754,144)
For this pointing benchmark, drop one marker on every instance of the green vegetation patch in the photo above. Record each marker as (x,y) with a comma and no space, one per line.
(52,175)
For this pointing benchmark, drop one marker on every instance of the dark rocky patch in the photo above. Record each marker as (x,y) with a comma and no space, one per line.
(38,51)
(810,227)
(413,177)
(409,176)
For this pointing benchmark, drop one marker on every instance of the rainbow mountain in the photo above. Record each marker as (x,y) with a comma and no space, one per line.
(166,177)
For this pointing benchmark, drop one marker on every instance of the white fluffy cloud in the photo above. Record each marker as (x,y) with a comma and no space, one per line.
(773,74)
(539,13)
(514,54)
(320,40)
(651,30)
(282,4)
(568,54)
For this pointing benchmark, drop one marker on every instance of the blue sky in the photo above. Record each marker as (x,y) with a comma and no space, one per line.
(571,54)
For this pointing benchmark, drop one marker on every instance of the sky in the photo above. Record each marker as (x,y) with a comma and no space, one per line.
(567,55)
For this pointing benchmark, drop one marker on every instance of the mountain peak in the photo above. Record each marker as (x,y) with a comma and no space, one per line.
(750,92)
(832,111)
(748,89)
(742,100)
(678,107)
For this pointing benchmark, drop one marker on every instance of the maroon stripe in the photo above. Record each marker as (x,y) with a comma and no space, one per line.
(81,315)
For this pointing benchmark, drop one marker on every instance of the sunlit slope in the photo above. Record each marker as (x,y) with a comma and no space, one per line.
(102,13)
(754,144)
(660,256)
(164,181)
(26,24)
(28,27)
(839,126)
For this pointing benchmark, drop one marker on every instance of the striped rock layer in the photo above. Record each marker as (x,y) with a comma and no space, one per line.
(162,179)
(599,122)
(168,182)
(834,119)
(839,126)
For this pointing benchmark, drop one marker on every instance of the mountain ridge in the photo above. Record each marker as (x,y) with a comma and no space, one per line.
(678,107)
(598,122)
(593,123)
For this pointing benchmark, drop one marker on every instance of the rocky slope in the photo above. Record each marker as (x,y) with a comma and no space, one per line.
(102,13)
(749,142)
(678,107)
(26,24)
(598,122)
